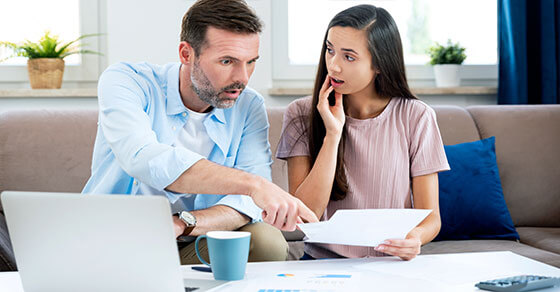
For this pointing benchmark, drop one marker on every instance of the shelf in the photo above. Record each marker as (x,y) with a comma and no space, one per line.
(33,93)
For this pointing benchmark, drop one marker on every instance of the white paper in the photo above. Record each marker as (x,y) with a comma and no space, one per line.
(307,281)
(364,227)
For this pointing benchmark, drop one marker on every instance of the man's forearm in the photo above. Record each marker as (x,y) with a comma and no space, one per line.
(206,177)
(280,209)
(219,217)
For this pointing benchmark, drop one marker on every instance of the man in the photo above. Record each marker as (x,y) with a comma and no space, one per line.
(193,132)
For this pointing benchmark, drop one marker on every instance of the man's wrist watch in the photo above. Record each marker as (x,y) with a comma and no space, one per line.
(189,220)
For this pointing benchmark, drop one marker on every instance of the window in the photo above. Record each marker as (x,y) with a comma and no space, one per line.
(29,19)
(297,42)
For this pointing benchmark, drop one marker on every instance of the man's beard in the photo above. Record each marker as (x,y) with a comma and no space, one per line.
(202,86)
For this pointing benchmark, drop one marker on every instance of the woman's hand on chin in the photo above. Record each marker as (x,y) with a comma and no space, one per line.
(333,116)
(406,249)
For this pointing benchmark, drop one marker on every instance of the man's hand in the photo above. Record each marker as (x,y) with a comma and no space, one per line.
(178,226)
(406,249)
(280,209)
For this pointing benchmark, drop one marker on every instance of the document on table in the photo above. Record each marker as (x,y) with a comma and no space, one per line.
(364,227)
(308,281)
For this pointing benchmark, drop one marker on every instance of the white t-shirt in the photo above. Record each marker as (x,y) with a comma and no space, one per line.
(194,137)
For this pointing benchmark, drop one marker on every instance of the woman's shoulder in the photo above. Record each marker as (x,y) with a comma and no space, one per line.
(413,107)
(299,107)
(412,104)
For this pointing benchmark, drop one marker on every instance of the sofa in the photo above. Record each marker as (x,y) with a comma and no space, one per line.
(50,150)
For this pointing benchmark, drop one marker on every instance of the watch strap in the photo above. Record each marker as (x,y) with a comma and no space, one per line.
(188,230)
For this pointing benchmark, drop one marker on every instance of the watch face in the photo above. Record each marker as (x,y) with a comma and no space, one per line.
(188,218)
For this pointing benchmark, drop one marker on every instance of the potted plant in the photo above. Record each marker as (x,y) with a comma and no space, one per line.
(45,63)
(447,61)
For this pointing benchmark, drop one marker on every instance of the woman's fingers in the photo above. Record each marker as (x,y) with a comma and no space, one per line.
(398,250)
(324,97)
(323,104)
(333,116)
(326,89)
(401,254)
(406,249)
(402,242)
(326,84)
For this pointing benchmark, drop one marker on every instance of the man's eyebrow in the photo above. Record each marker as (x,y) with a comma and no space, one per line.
(236,59)
(230,57)
(343,49)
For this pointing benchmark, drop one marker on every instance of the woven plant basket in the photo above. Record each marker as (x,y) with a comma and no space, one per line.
(45,72)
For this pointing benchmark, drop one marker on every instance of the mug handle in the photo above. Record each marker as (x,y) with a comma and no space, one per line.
(196,249)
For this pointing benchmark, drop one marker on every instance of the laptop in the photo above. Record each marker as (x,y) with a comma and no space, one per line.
(73,242)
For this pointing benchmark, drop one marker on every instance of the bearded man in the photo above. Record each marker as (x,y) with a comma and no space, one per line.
(195,133)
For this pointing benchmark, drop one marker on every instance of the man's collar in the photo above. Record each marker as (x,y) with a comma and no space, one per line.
(174,102)
(219,114)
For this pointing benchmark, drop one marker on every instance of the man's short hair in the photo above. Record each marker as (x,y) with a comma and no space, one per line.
(231,15)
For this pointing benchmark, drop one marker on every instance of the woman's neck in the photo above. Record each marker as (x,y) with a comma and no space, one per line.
(365,104)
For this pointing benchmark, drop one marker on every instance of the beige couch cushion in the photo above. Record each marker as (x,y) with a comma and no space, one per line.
(47,150)
(456,125)
(547,238)
(528,154)
(279,167)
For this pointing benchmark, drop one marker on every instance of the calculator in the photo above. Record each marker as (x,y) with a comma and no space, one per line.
(519,283)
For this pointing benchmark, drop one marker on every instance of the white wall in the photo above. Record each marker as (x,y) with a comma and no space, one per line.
(140,31)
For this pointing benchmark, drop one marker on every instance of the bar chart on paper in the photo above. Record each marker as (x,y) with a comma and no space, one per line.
(307,282)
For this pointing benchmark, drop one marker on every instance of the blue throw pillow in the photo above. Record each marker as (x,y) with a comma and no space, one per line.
(471,199)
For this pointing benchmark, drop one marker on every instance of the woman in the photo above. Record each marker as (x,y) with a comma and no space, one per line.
(372,144)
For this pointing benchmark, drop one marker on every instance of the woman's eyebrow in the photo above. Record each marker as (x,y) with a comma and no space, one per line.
(343,49)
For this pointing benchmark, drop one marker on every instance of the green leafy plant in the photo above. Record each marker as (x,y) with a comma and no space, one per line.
(47,47)
(448,54)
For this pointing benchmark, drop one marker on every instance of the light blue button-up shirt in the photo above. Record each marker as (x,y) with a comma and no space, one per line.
(140,116)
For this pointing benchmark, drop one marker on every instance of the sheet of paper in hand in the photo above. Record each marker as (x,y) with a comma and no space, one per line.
(364,227)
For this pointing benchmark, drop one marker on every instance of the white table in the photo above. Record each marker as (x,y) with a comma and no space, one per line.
(445,272)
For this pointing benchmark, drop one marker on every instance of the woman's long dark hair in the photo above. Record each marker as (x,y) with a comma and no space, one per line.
(385,47)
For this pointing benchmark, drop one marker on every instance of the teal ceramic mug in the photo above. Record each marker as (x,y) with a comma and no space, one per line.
(228,252)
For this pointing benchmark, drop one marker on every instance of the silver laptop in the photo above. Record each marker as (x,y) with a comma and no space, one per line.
(74,242)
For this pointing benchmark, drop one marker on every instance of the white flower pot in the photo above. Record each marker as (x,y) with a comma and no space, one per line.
(447,75)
